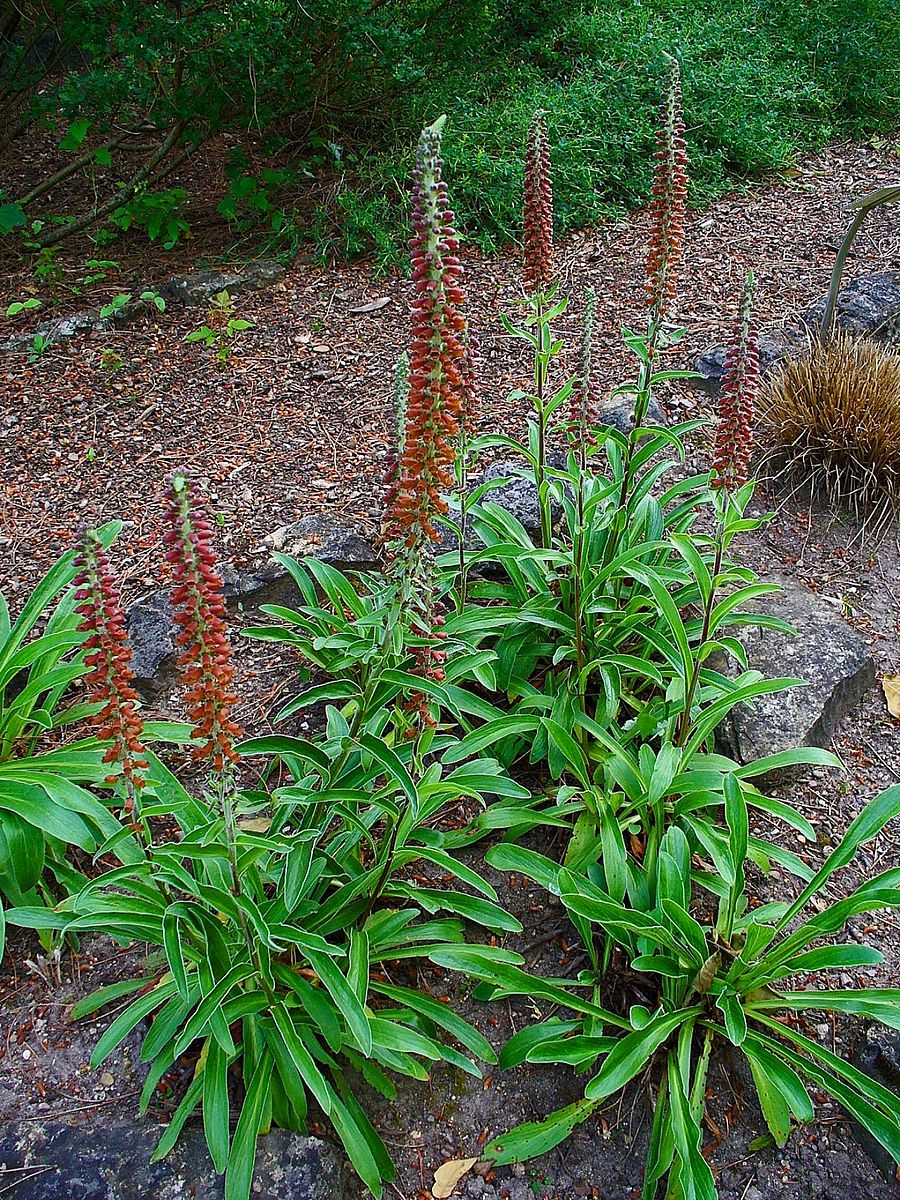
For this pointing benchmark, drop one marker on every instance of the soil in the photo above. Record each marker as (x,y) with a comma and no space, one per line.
(298,422)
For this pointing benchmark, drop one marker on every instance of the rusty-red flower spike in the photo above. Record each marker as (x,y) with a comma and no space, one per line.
(435,399)
(669,204)
(583,402)
(108,658)
(740,384)
(199,611)
(538,215)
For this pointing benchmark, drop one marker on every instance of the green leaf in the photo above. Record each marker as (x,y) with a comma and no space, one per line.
(357,1146)
(441,1014)
(179,1117)
(735,1020)
(345,999)
(633,1052)
(12,216)
(695,1176)
(239,1174)
(867,825)
(33,805)
(301,1058)
(783,1077)
(388,758)
(96,1000)
(534,1138)
(215,1104)
(569,749)
(120,1028)
(473,908)
(75,134)
(211,1003)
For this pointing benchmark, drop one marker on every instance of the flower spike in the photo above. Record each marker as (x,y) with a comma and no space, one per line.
(538,216)
(199,611)
(669,203)
(740,384)
(435,400)
(583,402)
(108,656)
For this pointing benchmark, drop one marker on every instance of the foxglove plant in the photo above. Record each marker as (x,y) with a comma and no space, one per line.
(537,272)
(108,657)
(666,248)
(538,211)
(729,480)
(582,417)
(664,256)
(199,612)
(436,394)
(439,404)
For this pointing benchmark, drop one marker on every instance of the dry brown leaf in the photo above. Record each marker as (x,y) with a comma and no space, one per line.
(255,825)
(447,1176)
(373,305)
(891,685)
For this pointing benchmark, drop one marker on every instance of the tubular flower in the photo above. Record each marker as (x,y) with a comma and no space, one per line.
(199,612)
(740,384)
(109,659)
(583,402)
(428,663)
(538,216)
(435,399)
(669,203)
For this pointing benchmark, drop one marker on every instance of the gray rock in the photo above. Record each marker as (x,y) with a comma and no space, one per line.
(200,286)
(878,1055)
(328,539)
(84,321)
(774,345)
(825,651)
(196,288)
(151,628)
(151,633)
(50,1160)
(619,413)
(519,495)
(868,306)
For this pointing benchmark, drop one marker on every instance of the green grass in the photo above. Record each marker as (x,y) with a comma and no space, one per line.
(763,81)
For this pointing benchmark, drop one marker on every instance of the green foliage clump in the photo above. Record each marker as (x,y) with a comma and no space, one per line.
(317,99)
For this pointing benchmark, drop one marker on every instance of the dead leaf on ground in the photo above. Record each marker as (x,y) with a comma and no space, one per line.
(891,685)
(447,1176)
(373,305)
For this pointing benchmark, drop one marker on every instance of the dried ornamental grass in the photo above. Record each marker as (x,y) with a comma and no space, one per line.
(833,416)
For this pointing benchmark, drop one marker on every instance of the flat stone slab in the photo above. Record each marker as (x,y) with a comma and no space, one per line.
(826,652)
(51,1160)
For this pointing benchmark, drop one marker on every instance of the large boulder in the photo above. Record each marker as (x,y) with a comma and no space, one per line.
(52,1160)
(774,345)
(198,287)
(151,626)
(825,651)
(151,634)
(618,411)
(868,306)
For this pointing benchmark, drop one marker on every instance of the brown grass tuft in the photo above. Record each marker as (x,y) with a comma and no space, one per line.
(832,416)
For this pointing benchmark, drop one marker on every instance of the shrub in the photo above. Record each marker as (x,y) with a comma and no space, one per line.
(832,416)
